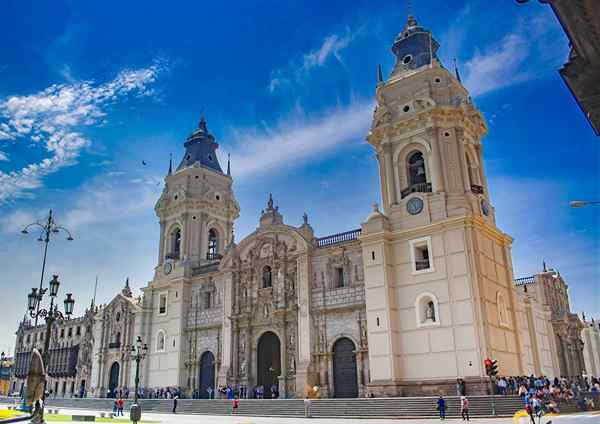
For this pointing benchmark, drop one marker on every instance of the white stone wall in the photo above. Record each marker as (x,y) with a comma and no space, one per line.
(591,348)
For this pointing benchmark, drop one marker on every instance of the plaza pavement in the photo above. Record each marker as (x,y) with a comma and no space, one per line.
(587,418)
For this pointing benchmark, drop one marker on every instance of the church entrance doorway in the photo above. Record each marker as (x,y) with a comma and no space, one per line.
(113,381)
(269,362)
(207,374)
(344,369)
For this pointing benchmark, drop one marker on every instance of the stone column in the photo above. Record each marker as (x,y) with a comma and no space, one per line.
(389,173)
(437,182)
(203,236)
(463,161)
(330,382)
(323,381)
(359,372)
(161,246)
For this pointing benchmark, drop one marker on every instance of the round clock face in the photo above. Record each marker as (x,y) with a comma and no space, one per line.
(414,206)
(485,207)
(168,267)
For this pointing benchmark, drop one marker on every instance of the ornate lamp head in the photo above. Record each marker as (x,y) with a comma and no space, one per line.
(32,299)
(69,304)
(54,284)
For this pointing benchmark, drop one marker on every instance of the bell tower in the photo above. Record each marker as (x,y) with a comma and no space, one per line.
(196,209)
(438,271)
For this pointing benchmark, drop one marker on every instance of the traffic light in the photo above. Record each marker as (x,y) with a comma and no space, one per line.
(494,369)
(488,366)
(491,367)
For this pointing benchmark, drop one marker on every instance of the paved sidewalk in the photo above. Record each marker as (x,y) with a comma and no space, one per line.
(225,419)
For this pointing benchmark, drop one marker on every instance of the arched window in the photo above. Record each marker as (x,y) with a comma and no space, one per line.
(267,281)
(160,341)
(177,241)
(212,244)
(416,169)
(427,310)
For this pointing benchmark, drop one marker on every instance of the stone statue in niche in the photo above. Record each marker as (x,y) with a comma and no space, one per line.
(266,310)
(266,250)
(363,330)
(243,368)
(430,312)
(242,344)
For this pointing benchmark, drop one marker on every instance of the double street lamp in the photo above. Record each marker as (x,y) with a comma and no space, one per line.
(50,315)
(137,353)
(583,203)
(47,228)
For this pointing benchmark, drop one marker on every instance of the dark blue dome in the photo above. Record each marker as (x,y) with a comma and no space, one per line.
(201,148)
(414,47)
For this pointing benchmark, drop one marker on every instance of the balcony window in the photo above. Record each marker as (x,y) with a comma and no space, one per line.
(421,255)
(339,277)
(207,300)
(267,277)
(162,304)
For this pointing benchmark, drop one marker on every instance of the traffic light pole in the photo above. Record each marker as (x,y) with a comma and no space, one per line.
(493,395)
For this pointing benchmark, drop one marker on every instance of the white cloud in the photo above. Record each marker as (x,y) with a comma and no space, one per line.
(106,202)
(256,151)
(500,66)
(53,117)
(332,46)
(3,156)
(517,56)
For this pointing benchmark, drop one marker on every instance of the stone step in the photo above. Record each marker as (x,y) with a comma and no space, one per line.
(372,407)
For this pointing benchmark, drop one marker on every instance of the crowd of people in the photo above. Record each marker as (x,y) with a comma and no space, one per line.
(539,394)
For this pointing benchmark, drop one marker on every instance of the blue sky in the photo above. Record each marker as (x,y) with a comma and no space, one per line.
(88,90)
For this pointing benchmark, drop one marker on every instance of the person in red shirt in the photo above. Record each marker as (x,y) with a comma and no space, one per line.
(235,403)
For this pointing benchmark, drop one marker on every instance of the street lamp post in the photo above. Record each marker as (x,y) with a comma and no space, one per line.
(137,352)
(50,315)
(583,203)
(48,228)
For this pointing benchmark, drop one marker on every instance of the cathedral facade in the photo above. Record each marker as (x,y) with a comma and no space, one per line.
(413,298)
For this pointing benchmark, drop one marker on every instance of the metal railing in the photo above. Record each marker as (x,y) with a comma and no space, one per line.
(213,256)
(477,189)
(416,188)
(421,264)
(338,238)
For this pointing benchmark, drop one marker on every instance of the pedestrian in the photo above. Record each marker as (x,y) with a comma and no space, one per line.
(210,392)
(307,407)
(175,404)
(464,408)
(116,407)
(121,404)
(235,403)
(441,407)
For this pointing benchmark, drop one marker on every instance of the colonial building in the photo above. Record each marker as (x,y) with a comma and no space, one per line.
(549,289)
(70,354)
(412,300)
(591,346)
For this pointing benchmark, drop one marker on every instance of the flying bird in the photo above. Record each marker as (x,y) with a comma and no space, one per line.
(144,163)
